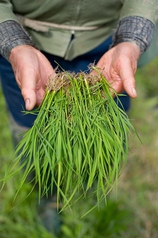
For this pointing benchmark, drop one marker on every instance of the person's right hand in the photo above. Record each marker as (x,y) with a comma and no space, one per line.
(31,69)
(119,65)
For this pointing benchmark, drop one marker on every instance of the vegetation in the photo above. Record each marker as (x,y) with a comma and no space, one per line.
(130,212)
(79,141)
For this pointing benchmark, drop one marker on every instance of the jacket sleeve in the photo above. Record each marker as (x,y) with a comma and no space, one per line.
(11,32)
(6,12)
(142,8)
(137,22)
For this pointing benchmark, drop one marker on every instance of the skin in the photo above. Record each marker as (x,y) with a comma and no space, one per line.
(32,69)
(119,66)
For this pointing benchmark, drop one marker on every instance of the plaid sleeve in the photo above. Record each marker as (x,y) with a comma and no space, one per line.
(12,34)
(134,29)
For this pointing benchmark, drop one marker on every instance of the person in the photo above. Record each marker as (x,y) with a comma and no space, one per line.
(37,36)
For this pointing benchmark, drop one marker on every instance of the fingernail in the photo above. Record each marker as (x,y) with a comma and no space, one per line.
(27,103)
(134,92)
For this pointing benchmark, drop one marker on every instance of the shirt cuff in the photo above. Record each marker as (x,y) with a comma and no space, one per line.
(138,30)
(12,34)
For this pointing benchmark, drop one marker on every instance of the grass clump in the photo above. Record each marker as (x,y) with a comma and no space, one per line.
(79,141)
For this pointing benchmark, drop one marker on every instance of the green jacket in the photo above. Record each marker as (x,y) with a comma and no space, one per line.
(100,15)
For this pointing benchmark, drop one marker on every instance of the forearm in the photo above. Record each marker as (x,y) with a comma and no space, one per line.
(135,29)
(12,34)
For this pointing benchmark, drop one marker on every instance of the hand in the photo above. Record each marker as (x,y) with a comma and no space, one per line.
(119,66)
(31,69)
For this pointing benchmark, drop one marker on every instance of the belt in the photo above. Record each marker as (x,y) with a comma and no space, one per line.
(45,26)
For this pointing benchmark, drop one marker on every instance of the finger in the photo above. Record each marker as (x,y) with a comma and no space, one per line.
(128,80)
(117,85)
(40,95)
(29,96)
(28,89)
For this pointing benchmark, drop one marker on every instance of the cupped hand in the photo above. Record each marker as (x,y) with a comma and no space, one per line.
(31,69)
(119,66)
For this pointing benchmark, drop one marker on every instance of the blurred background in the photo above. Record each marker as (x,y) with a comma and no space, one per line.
(131,210)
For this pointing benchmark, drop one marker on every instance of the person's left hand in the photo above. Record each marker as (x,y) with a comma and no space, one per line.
(119,66)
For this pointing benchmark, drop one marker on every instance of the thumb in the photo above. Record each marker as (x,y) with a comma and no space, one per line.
(30,102)
(28,90)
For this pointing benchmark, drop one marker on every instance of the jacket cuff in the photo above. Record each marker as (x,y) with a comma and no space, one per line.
(138,30)
(12,34)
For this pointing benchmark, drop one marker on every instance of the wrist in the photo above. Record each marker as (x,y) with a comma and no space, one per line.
(132,46)
(20,51)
